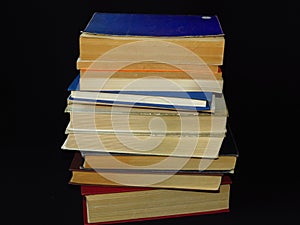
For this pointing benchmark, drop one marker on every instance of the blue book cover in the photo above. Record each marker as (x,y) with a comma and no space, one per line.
(139,104)
(206,96)
(154,25)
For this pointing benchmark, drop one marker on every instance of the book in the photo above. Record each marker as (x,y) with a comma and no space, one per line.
(108,205)
(201,35)
(143,77)
(172,145)
(188,181)
(143,101)
(143,98)
(186,146)
(160,164)
(139,100)
(149,66)
(225,163)
(137,120)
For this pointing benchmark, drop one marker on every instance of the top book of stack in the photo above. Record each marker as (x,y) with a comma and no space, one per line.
(201,35)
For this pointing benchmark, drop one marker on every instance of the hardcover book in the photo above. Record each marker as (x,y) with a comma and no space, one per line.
(201,35)
(144,76)
(188,181)
(182,100)
(126,204)
(187,146)
(225,163)
(86,118)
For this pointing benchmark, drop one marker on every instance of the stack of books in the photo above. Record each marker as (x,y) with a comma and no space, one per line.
(148,120)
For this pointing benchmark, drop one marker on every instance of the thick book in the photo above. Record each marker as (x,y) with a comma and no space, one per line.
(85,118)
(169,145)
(158,164)
(225,163)
(207,146)
(228,148)
(199,35)
(127,204)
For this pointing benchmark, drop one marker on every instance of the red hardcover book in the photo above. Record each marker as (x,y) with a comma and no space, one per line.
(149,218)
(95,213)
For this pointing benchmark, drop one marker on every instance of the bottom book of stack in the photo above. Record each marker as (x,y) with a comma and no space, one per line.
(107,205)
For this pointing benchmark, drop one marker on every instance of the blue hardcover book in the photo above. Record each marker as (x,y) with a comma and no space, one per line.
(154,25)
(157,99)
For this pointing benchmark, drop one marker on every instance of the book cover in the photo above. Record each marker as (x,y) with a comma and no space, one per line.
(154,25)
(155,103)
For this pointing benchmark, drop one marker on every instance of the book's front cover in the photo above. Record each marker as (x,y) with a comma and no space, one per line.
(154,25)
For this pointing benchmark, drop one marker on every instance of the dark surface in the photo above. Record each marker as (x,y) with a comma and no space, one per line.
(260,86)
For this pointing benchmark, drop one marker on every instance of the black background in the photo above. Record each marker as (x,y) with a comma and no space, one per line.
(40,47)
